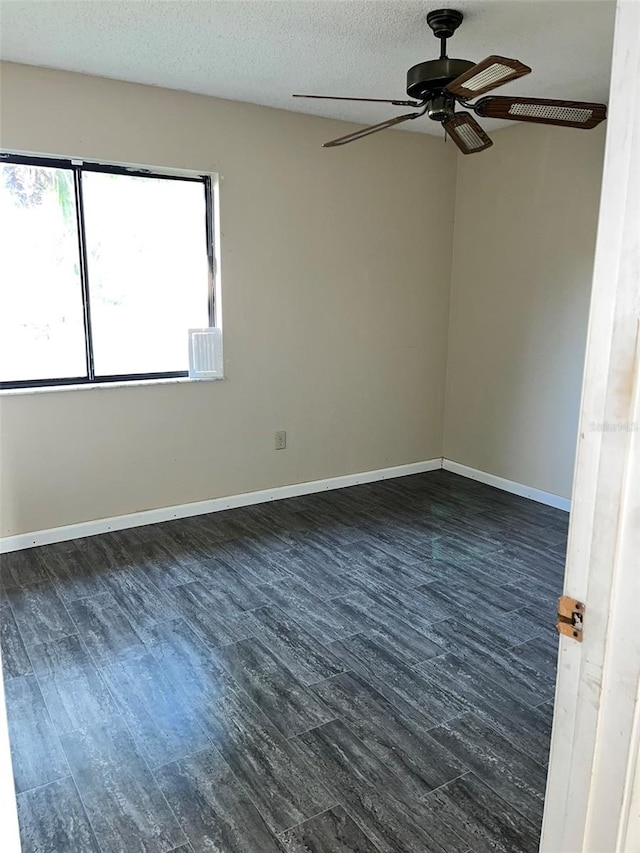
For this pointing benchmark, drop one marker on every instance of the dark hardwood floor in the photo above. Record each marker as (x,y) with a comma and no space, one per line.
(370,670)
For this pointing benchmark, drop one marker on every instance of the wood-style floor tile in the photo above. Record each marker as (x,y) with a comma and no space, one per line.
(366,670)
(401,570)
(303,654)
(261,568)
(159,566)
(492,703)
(122,800)
(189,664)
(232,584)
(23,568)
(539,654)
(15,660)
(373,796)
(77,698)
(63,655)
(392,617)
(511,773)
(524,675)
(481,818)
(270,767)
(163,727)
(323,578)
(401,684)
(141,602)
(400,741)
(52,820)
(104,628)
(290,705)
(75,577)
(40,614)
(213,809)
(36,753)
(331,830)
(214,616)
(318,617)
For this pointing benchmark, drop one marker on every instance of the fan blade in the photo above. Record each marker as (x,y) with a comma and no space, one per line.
(492,72)
(568,113)
(467,134)
(368,100)
(374,128)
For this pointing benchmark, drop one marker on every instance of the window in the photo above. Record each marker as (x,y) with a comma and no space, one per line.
(103,270)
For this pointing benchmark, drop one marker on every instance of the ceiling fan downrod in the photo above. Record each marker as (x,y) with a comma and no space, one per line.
(444,23)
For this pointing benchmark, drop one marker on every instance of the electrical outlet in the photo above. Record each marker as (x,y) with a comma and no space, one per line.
(281,440)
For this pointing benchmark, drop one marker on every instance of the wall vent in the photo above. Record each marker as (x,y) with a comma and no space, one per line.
(205,353)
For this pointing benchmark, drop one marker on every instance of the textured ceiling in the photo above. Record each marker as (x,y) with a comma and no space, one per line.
(263,51)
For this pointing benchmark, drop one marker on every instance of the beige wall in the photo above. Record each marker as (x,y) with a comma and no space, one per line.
(525,228)
(335,279)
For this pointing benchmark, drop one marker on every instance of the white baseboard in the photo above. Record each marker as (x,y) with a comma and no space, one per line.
(153,516)
(508,485)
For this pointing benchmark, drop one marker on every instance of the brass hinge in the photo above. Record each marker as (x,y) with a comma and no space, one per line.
(570,617)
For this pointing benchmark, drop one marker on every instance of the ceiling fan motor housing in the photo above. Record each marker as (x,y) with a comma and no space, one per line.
(441,108)
(429,78)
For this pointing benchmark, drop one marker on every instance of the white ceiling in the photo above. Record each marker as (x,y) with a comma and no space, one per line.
(264,51)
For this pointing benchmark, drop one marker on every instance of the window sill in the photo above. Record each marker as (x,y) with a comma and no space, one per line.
(48,389)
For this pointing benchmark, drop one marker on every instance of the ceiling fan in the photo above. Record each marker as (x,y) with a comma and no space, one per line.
(438,85)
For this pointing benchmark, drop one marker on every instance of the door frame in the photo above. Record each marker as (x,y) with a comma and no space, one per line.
(593,764)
